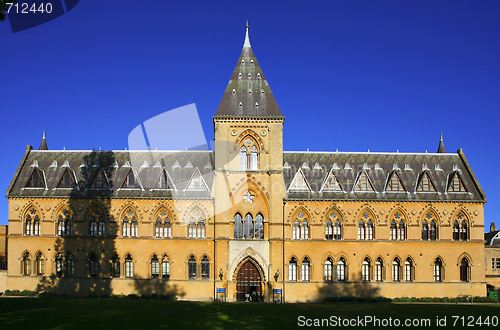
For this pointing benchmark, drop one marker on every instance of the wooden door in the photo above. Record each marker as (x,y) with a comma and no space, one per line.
(248,285)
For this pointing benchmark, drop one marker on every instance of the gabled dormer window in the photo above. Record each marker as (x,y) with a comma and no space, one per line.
(394,183)
(164,181)
(425,183)
(363,183)
(455,183)
(131,181)
(37,179)
(99,181)
(67,180)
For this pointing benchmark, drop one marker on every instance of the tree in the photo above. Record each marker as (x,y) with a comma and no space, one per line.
(4,7)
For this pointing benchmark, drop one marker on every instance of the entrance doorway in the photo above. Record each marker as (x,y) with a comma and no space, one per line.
(248,285)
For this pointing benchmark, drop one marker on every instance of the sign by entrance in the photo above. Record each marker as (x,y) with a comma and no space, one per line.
(221,291)
(277,291)
(278,295)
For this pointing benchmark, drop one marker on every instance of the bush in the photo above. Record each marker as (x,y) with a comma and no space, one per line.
(357,299)
(17,293)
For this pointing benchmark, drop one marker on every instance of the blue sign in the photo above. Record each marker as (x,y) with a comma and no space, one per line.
(221,290)
(277,291)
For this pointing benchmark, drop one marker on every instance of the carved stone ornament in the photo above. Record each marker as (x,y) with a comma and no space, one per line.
(146,208)
(382,211)
(349,211)
(248,198)
(179,209)
(113,208)
(476,212)
(47,207)
(318,211)
(263,133)
(413,211)
(16,207)
(80,208)
(445,212)
(233,132)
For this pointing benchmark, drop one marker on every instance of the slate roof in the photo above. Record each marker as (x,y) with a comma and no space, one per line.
(85,164)
(378,166)
(492,238)
(248,92)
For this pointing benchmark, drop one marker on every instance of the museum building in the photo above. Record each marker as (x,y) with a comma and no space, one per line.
(246,220)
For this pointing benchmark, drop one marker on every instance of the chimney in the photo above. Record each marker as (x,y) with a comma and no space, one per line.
(493,227)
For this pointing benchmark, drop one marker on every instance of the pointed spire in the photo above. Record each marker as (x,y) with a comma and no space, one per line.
(43,145)
(248,92)
(441,149)
(247,39)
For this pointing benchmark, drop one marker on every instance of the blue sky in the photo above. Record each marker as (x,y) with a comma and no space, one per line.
(348,75)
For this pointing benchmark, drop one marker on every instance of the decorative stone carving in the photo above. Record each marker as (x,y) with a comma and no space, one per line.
(16,207)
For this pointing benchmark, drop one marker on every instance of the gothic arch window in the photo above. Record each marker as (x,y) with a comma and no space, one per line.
(39,264)
(464,231)
(456,231)
(248,226)
(26,264)
(398,227)
(464,270)
(249,154)
(205,268)
(68,180)
(155,267)
(59,265)
(408,270)
(292,269)
(305,270)
(296,229)
(366,227)
(69,265)
(460,227)
(64,223)
(32,221)
(333,228)
(259,226)
(192,268)
(379,270)
(196,224)
(97,226)
(238,226)
(37,179)
(165,268)
(329,230)
(396,270)
(304,230)
(300,228)
(455,184)
(93,265)
(162,225)
(129,223)
(394,183)
(327,270)
(341,270)
(438,270)
(115,266)
(430,230)
(425,182)
(129,266)
(365,270)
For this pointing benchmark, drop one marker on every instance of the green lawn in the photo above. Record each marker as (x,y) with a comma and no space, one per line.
(47,313)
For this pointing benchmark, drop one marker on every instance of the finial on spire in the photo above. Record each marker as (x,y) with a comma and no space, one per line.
(441,149)
(43,145)
(247,39)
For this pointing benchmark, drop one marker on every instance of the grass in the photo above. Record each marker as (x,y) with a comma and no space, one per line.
(59,313)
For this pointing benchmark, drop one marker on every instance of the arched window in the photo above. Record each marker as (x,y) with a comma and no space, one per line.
(304,231)
(243,158)
(192,228)
(64,224)
(205,268)
(101,228)
(126,227)
(167,229)
(93,265)
(60,226)
(464,270)
(425,231)
(70,265)
(296,229)
(433,231)
(26,261)
(27,225)
(369,230)
(464,231)
(238,226)
(379,270)
(456,231)
(129,266)
(306,267)
(59,265)
(292,270)
(327,270)
(200,227)
(192,268)
(361,230)
(36,226)
(365,270)
(40,264)
(93,227)
(394,231)
(253,158)
(408,270)
(329,230)
(158,228)
(337,230)
(115,267)
(248,226)
(133,227)
(165,268)
(155,267)
(396,270)
(95,222)
(259,226)
(401,230)
(438,270)
(341,270)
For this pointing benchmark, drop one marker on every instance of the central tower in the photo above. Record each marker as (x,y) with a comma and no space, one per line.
(249,185)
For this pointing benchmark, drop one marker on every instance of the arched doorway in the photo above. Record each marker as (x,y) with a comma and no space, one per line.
(248,283)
